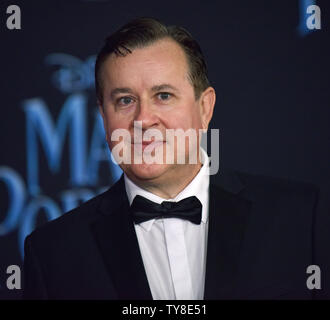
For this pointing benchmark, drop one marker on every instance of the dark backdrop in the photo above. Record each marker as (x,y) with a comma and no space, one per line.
(270,72)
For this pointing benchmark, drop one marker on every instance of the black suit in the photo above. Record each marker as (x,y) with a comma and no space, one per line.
(260,242)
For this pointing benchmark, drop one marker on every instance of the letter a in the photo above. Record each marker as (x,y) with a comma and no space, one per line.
(14,20)
(14,281)
(314,280)
(314,20)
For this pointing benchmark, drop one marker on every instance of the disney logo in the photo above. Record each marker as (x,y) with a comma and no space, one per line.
(73,73)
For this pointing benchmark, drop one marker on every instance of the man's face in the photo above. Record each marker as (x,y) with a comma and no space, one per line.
(151,85)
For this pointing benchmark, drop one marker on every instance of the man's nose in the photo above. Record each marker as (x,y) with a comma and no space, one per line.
(146,113)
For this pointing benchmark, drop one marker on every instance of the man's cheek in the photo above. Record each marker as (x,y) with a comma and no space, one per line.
(112,143)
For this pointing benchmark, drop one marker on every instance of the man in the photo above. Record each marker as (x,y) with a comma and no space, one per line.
(164,230)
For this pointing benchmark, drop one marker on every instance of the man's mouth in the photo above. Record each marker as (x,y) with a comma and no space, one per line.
(150,144)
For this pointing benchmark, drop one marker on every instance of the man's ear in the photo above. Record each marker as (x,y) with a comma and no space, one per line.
(100,107)
(101,110)
(207,102)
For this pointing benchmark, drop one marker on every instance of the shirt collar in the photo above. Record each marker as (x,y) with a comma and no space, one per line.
(198,187)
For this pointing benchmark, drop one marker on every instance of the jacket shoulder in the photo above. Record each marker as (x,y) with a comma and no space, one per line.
(289,197)
(276,185)
(267,190)
(77,219)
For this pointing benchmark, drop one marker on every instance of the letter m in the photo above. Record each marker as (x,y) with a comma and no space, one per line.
(39,123)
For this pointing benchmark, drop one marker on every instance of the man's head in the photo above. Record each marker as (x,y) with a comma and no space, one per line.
(143,32)
(156,75)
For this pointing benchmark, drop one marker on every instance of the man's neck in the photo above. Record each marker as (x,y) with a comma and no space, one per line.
(170,188)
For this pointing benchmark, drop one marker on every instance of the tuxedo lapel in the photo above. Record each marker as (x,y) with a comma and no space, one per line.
(118,244)
(228,215)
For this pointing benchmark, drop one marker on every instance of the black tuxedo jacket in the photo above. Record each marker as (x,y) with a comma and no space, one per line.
(260,243)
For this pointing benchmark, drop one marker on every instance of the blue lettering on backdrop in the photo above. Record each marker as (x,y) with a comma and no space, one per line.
(26,202)
(16,193)
(53,138)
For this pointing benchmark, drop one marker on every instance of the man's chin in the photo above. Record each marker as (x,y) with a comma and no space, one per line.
(145,171)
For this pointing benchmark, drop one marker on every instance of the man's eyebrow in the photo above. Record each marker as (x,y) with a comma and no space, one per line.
(162,87)
(116,91)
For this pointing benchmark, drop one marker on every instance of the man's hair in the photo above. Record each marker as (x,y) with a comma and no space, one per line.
(140,33)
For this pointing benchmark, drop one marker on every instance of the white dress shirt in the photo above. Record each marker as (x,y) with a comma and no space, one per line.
(174,250)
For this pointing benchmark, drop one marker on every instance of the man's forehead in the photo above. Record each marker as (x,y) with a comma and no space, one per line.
(160,66)
(164,52)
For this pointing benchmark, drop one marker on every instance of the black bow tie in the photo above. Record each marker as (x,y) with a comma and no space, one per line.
(189,209)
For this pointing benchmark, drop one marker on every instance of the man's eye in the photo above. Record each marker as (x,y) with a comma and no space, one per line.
(125,100)
(164,95)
